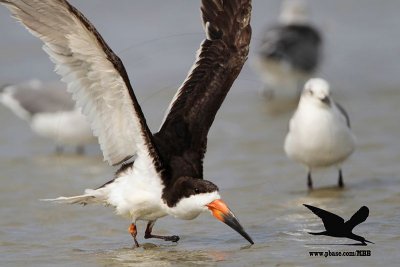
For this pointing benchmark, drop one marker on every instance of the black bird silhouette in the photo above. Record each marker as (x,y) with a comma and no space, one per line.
(336,226)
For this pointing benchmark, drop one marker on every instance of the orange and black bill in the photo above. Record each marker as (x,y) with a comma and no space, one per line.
(221,211)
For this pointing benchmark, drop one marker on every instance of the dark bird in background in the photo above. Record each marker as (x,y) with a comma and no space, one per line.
(336,226)
(166,174)
(289,54)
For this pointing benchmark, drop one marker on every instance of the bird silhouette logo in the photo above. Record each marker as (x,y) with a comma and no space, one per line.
(335,225)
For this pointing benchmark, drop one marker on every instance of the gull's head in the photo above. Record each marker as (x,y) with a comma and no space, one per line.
(316,91)
(189,197)
(294,12)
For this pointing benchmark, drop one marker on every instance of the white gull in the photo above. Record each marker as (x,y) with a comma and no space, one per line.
(319,131)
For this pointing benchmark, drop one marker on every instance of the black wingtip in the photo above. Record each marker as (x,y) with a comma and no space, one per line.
(365,208)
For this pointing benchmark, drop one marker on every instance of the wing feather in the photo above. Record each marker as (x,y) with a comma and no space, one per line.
(95,76)
(344,113)
(219,60)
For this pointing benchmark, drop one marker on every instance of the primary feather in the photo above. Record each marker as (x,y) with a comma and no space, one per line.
(95,75)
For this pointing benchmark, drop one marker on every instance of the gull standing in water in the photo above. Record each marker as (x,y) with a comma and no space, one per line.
(50,111)
(289,55)
(319,131)
(166,174)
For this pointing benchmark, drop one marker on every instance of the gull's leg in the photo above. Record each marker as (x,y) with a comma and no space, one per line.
(309,180)
(133,231)
(148,233)
(340,182)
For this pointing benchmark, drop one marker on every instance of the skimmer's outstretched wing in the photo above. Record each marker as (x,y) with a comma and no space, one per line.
(95,76)
(182,137)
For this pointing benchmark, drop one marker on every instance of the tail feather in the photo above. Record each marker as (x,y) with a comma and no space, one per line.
(83,199)
(90,196)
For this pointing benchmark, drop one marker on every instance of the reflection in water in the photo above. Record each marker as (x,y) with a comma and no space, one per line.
(161,256)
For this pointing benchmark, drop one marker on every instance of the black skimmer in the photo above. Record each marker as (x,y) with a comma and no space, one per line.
(166,176)
(336,226)
(289,54)
(50,111)
(319,132)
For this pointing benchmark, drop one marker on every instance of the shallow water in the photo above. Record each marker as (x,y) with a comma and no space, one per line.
(156,40)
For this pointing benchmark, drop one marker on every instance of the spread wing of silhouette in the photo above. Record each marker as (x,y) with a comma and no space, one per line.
(360,216)
(330,220)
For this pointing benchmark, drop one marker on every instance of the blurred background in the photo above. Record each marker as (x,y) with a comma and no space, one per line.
(157,41)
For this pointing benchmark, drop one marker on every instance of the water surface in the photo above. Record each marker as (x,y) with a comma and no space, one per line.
(156,40)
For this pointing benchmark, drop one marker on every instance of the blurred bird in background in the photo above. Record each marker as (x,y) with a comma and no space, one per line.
(289,54)
(50,111)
